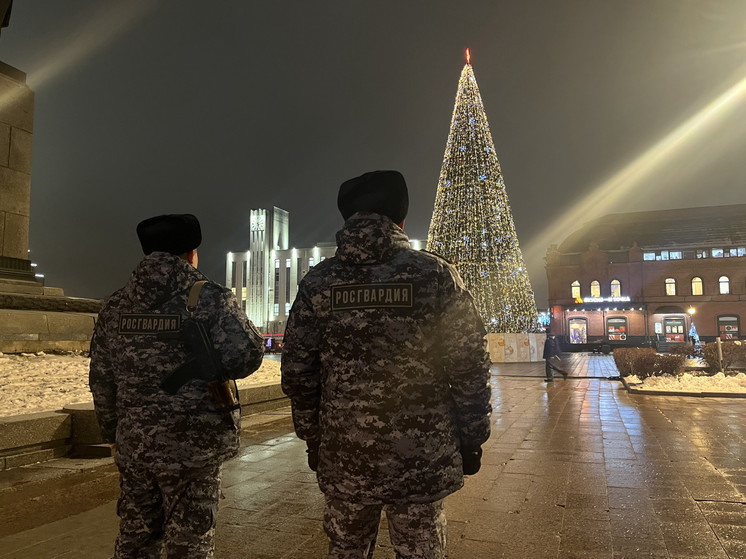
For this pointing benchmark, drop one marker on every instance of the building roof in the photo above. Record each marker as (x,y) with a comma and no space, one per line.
(710,226)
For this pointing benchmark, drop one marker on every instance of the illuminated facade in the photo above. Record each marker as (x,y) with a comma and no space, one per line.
(644,278)
(265,278)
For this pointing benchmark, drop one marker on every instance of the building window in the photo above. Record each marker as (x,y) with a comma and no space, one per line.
(616,288)
(648,256)
(701,254)
(616,328)
(244,279)
(717,252)
(287,309)
(675,255)
(310,262)
(595,289)
(697,286)
(578,328)
(724,285)
(575,290)
(670,286)
(277,284)
(729,327)
(277,309)
(287,280)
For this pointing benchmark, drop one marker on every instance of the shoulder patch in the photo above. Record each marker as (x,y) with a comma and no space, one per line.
(371,296)
(149,323)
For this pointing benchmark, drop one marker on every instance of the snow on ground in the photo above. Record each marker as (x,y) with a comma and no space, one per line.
(692,383)
(31,383)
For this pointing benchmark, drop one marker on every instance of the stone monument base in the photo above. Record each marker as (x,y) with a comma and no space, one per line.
(36,318)
(515,348)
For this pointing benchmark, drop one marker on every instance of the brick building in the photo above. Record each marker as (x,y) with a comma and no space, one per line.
(644,278)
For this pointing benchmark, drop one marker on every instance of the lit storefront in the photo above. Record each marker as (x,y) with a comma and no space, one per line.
(650,279)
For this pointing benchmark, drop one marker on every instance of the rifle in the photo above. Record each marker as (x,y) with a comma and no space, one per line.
(203,363)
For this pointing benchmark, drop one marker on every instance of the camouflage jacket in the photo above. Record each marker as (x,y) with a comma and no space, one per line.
(129,362)
(384,362)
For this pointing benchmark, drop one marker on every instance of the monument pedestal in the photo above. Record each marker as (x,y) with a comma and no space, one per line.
(35,318)
(32,317)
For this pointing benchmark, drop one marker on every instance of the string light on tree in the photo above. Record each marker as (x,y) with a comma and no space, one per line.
(472,225)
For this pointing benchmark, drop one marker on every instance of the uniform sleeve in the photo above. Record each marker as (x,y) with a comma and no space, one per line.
(102,383)
(467,364)
(235,339)
(301,366)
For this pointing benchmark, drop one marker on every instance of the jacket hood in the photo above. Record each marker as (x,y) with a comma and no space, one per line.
(369,238)
(158,277)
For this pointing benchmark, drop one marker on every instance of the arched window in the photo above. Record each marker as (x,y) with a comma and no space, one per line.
(575,289)
(697,286)
(595,289)
(670,286)
(616,288)
(724,285)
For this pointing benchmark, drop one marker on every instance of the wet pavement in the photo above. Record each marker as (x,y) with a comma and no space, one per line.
(575,468)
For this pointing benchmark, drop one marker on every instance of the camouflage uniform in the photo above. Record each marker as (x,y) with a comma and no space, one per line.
(169,447)
(384,362)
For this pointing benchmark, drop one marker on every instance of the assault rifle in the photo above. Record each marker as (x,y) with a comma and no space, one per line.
(203,363)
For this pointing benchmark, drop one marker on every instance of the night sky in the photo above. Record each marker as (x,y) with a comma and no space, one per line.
(214,108)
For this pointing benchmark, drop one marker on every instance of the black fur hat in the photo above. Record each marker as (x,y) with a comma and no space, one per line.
(174,233)
(381,192)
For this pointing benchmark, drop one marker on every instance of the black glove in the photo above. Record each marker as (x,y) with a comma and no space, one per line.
(472,459)
(313,454)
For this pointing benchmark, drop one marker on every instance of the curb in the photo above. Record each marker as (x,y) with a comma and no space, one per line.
(633,390)
(73,431)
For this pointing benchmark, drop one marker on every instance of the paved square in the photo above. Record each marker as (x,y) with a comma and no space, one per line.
(577,468)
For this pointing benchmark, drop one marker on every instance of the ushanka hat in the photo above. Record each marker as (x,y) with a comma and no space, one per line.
(174,233)
(381,192)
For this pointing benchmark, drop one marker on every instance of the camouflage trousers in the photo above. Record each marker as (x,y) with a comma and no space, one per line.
(416,530)
(175,509)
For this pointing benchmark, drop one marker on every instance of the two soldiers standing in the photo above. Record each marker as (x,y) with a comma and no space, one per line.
(384,363)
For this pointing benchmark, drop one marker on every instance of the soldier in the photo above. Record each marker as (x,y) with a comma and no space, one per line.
(385,365)
(169,447)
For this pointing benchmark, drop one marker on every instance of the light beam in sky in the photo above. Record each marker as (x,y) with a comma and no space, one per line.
(631,178)
(110,22)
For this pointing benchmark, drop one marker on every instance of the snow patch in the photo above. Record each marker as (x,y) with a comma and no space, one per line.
(732,383)
(31,383)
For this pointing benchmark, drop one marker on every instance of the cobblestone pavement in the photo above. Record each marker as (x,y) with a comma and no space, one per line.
(575,468)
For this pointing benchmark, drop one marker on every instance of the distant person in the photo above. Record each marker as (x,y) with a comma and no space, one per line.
(170,447)
(385,365)
(552,352)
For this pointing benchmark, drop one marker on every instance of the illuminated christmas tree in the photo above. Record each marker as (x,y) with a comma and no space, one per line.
(472,225)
